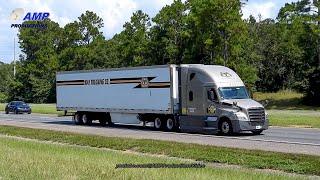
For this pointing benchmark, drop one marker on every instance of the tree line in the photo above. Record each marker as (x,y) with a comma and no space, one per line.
(269,55)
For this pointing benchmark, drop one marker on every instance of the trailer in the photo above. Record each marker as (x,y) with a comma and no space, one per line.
(189,97)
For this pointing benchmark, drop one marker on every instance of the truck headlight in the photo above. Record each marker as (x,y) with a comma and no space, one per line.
(241,116)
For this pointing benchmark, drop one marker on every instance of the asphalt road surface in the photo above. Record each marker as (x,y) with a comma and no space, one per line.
(289,140)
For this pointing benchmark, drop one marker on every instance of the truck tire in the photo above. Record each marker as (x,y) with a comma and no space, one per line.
(86,120)
(158,123)
(170,124)
(225,127)
(77,118)
(7,112)
(257,132)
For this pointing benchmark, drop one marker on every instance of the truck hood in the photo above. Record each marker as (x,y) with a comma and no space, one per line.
(244,103)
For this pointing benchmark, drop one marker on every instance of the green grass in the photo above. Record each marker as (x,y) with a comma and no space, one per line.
(21,159)
(297,163)
(284,100)
(295,118)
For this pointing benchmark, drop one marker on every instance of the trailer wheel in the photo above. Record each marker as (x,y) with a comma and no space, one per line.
(157,123)
(77,119)
(170,124)
(86,120)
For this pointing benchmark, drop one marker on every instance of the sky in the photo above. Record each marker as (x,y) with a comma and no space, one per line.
(113,12)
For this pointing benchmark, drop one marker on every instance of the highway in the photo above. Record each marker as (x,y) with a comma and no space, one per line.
(278,139)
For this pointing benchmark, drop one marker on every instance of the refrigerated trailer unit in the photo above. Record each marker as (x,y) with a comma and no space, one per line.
(189,97)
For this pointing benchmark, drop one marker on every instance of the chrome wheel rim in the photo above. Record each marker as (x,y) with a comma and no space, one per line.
(225,128)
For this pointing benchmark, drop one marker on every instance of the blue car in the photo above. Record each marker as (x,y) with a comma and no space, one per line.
(18,107)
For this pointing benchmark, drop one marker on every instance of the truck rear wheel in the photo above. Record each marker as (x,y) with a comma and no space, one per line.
(77,119)
(170,124)
(86,120)
(157,123)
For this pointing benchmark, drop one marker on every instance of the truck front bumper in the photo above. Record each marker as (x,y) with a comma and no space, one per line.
(239,126)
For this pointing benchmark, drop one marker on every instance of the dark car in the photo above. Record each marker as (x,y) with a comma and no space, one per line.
(18,107)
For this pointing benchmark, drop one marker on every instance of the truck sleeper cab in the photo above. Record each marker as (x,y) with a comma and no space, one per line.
(188,97)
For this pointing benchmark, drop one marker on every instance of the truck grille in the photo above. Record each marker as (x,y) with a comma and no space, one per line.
(256,114)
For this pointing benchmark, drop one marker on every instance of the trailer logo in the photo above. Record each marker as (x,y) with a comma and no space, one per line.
(144,82)
(225,74)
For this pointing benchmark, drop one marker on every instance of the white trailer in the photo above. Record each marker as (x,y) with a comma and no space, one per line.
(170,96)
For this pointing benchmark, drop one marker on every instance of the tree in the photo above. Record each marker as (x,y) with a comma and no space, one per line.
(170,33)
(220,36)
(36,70)
(134,40)
(6,74)
(79,47)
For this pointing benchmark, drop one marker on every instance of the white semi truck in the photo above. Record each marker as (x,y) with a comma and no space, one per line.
(188,97)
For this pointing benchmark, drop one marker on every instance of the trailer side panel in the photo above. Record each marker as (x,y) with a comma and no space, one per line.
(136,90)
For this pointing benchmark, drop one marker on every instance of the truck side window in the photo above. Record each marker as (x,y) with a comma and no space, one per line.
(190,96)
(212,96)
(192,76)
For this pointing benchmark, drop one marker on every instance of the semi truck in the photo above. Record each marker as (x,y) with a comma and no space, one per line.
(188,98)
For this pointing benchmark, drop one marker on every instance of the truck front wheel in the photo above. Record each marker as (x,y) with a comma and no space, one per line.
(77,119)
(225,127)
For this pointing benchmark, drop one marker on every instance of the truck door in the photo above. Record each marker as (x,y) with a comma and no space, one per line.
(211,103)
(194,111)
(195,95)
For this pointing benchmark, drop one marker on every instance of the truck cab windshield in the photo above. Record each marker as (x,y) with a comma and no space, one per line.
(233,93)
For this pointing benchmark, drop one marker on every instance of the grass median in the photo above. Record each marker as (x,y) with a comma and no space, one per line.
(21,159)
(296,118)
(296,163)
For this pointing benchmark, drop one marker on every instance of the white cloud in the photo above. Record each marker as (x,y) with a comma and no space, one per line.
(265,9)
